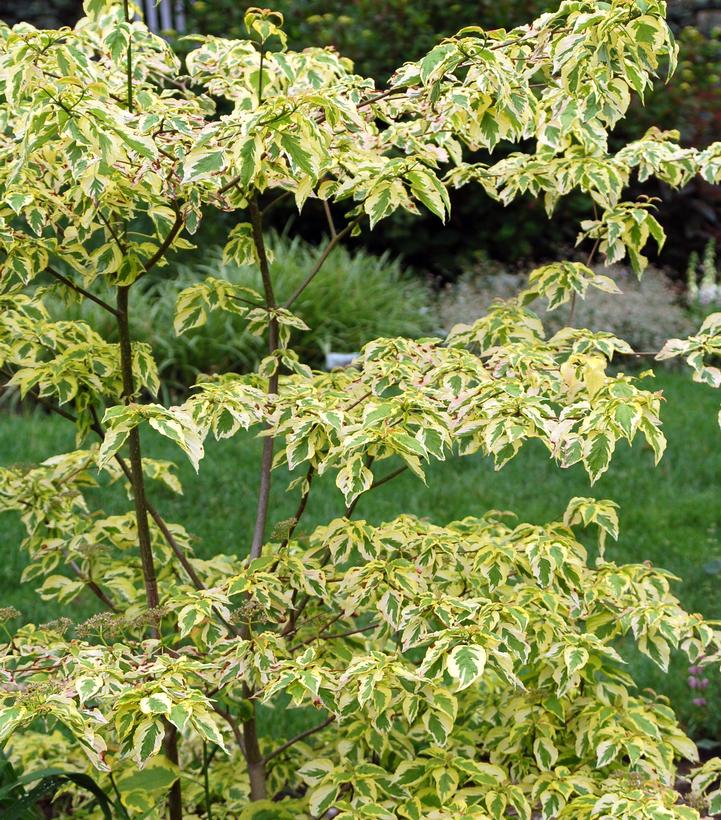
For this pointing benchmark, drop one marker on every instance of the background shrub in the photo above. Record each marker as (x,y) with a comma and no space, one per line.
(378,35)
(648,313)
(356,297)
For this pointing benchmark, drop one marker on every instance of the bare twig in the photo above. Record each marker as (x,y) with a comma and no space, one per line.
(358,401)
(320,262)
(390,92)
(93,587)
(268,441)
(379,482)
(78,289)
(276,201)
(349,632)
(235,729)
(118,241)
(302,504)
(315,637)
(589,262)
(297,739)
(292,626)
(328,636)
(329,219)
(166,243)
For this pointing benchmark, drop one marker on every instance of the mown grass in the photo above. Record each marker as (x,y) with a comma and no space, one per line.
(670,515)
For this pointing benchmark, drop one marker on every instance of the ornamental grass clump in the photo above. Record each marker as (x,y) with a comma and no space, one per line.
(355,298)
(465,669)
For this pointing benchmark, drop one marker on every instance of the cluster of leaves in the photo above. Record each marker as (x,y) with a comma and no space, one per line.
(472,669)
(689,102)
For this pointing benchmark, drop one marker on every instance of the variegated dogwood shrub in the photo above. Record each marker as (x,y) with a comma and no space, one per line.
(471,669)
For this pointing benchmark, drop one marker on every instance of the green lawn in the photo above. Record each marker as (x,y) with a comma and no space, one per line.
(670,515)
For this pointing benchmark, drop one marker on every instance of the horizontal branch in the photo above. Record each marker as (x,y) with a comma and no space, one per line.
(379,482)
(382,95)
(297,739)
(331,636)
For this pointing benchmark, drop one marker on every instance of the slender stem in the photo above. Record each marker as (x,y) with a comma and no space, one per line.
(302,504)
(233,723)
(390,92)
(129,59)
(248,302)
(321,260)
(173,544)
(260,76)
(298,738)
(350,509)
(136,460)
(380,481)
(175,797)
(86,293)
(137,480)
(163,248)
(253,755)
(359,401)
(348,632)
(118,241)
(321,631)
(93,587)
(327,636)
(292,626)
(254,758)
(206,782)
(119,803)
(266,465)
(275,201)
(589,262)
(329,219)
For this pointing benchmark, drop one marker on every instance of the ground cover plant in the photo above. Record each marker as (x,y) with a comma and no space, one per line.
(465,669)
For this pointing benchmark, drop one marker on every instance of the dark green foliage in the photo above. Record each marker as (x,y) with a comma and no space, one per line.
(379,35)
(42,13)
